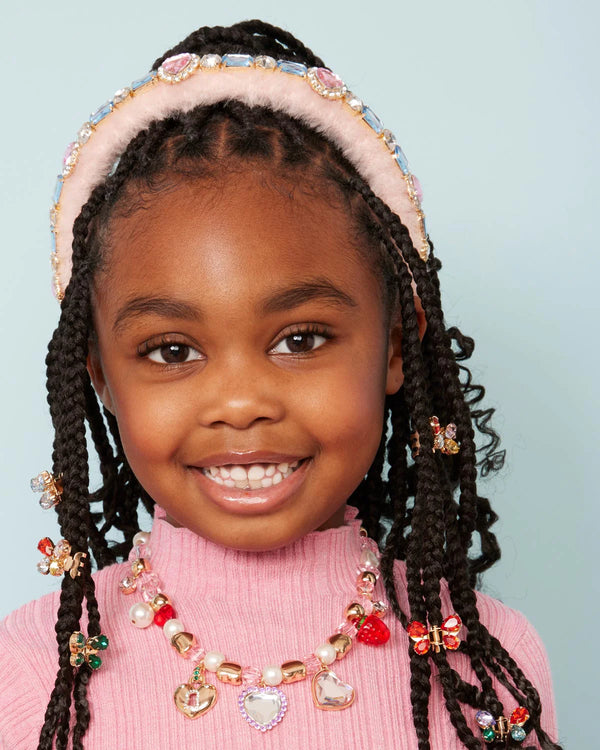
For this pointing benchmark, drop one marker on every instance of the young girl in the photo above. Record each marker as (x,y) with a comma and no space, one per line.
(251,336)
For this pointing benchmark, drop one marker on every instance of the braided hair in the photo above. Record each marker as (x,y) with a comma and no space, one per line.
(426,510)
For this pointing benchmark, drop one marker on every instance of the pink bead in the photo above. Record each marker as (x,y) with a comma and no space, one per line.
(349,628)
(251,676)
(141,550)
(177,63)
(418,188)
(196,654)
(328,78)
(367,604)
(150,586)
(313,665)
(68,152)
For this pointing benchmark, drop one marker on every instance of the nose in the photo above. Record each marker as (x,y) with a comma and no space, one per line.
(240,394)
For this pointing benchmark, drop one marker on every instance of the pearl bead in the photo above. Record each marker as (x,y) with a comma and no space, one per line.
(142,537)
(141,615)
(272,675)
(213,660)
(326,653)
(172,627)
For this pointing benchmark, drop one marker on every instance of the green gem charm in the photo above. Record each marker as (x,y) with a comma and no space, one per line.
(488,734)
(94,661)
(100,642)
(78,639)
(76,660)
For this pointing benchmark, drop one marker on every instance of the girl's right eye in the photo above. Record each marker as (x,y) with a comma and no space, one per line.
(173,354)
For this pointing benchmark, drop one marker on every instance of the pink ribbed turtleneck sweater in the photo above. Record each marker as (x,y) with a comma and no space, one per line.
(257,609)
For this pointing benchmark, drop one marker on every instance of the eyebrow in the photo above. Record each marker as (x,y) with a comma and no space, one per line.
(279,301)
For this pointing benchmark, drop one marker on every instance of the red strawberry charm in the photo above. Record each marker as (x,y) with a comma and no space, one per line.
(372,630)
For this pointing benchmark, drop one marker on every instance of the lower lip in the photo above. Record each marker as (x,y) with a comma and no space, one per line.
(247,502)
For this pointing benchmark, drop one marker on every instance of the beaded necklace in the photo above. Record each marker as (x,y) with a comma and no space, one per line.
(262,703)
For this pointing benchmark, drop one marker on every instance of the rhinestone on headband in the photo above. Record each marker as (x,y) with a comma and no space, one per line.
(180,67)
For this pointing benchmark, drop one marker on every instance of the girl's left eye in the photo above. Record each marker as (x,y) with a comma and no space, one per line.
(173,354)
(301,342)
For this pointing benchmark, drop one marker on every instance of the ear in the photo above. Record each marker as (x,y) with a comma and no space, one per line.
(395,373)
(96,373)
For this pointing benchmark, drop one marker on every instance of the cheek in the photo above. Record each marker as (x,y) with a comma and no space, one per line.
(349,412)
(150,425)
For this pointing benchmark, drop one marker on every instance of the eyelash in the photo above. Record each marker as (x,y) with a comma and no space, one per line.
(311,329)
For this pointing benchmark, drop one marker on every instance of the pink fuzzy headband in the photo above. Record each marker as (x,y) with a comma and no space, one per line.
(315,95)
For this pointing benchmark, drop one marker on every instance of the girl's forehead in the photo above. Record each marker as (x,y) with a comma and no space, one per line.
(237,237)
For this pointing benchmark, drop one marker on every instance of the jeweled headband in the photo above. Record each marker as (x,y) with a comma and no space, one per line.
(314,95)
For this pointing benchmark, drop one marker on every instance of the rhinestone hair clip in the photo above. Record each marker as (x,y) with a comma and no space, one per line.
(316,95)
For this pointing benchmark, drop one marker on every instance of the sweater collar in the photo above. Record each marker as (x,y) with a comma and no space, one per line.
(322,563)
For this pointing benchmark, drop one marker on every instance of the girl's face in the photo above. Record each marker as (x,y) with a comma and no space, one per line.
(238,325)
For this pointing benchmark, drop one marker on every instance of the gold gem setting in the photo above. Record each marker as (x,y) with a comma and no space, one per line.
(179,68)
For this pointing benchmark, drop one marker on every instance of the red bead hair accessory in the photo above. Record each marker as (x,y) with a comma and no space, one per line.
(435,637)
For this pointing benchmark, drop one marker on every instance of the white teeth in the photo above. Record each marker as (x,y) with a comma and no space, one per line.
(255,472)
(238,473)
(250,476)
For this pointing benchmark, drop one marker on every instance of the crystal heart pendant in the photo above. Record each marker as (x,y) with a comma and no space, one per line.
(330,693)
(195,698)
(263,707)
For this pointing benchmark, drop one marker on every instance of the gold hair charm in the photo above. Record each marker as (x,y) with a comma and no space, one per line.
(49,486)
(443,438)
(58,560)
(86,649)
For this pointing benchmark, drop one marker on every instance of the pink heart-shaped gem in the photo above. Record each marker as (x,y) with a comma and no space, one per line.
(328,78)
(174,65)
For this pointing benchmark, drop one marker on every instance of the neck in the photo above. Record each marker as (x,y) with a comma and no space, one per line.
(321,563)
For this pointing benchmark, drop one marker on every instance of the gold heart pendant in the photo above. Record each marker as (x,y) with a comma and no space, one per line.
(194,699)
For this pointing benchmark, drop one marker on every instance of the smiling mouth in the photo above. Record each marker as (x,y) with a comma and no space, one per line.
(251,476)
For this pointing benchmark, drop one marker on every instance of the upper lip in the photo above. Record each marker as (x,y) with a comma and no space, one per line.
(247,457)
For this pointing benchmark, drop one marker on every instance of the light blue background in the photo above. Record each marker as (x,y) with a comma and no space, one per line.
(496,105)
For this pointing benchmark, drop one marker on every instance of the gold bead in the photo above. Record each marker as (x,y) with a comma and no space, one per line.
(342,643)
(139,566)
(159,601)
(183,642)
(354,610)
(230,673)
(56,568)
(366,576)
(293,671)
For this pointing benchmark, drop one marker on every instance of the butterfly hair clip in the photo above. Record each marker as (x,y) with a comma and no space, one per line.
(436,636)
(499,729)
(86,649)
(50,487)
(58,560)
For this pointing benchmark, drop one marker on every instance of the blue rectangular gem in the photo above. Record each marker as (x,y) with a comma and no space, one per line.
(238,61)
(401,159)
(372,120)
(101,113)
(135,85)
(297,69)
(53,241)
(58,188)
